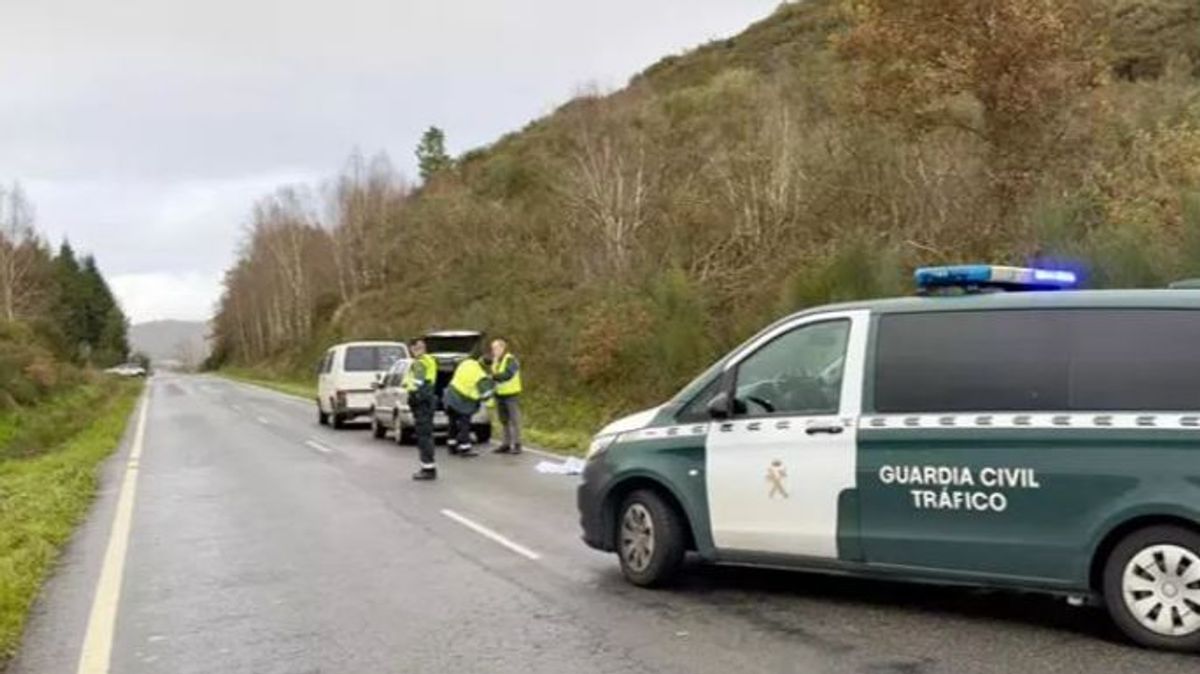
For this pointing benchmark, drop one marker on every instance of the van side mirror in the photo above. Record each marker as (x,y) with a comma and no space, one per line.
(719,406)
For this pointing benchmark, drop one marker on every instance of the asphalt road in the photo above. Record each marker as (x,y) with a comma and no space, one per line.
(261,542)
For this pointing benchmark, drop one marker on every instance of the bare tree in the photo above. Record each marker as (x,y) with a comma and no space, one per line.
(608,185)
(20,251)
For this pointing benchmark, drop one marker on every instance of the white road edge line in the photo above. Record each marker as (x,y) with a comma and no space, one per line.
(96,654)
(488,533)
(318,446)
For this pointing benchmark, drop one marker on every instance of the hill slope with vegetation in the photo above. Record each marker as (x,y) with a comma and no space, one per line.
(625,240)
(57,313)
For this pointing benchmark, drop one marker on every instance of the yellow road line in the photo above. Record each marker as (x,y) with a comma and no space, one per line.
(97,643)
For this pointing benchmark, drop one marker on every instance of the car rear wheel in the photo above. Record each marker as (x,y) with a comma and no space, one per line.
(650,539)
(336,421)
(322,418)
(405,435)
(1152,587)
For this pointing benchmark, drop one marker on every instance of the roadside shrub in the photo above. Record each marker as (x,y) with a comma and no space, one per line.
(858,269)
(26,369)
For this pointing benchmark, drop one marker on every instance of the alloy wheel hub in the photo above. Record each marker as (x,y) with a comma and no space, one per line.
(637,537)
(1161,587)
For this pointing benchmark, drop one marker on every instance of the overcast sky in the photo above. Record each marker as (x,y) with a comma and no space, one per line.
(143,130)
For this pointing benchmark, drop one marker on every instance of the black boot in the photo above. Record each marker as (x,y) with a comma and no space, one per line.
(516,449)
(502,449)
(425,474)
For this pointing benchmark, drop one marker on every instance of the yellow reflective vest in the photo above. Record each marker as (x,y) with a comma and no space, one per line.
(510,387)
(429,365)
(466,379)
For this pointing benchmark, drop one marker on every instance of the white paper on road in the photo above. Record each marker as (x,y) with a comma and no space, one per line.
(571,466)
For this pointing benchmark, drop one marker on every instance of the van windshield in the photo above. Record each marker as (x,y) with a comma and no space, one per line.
(372,358)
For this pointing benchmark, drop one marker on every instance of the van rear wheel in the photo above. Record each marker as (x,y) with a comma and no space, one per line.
(650,539)
(1152,587)
(322,418)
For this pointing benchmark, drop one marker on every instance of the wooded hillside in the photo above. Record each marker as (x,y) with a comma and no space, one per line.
(627,239)
(56,310)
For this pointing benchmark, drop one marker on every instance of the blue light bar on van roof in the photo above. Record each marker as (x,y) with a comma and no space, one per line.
(974,276)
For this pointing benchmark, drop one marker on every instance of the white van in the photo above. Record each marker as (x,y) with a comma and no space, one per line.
(347,375)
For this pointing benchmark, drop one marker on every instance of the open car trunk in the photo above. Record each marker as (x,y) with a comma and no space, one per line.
(449,349)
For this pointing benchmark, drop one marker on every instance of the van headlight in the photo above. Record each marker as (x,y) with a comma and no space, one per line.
(600,444)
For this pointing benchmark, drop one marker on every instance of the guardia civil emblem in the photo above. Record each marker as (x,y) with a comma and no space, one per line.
(776,479)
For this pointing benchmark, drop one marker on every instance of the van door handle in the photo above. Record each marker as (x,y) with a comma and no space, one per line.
(832,429)
(726,427)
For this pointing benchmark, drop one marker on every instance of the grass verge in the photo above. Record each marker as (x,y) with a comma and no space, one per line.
(566,433)
(307,390)
(45,493)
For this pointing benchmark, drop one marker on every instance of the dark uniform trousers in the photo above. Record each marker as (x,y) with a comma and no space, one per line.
(460,427)
(422,405)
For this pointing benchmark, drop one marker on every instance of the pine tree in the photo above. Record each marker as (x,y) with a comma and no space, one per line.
(69,306)
(93,329)
(431,153)
(105,324)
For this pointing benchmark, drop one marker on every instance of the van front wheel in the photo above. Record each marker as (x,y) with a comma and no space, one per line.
(650,539)
(1152,587)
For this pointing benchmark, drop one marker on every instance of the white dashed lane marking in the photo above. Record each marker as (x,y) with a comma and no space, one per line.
(318,446)
(492,535)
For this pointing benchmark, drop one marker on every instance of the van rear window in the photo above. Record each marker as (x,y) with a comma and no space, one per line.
(1038,360)
(372,358)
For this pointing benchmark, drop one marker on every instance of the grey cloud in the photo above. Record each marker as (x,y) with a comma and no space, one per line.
(146,128)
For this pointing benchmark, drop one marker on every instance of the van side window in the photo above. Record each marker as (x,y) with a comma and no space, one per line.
(968,361)
(327,363)
(799,372)
(1136,360)
(1038,361)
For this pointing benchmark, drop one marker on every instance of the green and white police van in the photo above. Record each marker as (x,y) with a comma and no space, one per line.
(1045,441)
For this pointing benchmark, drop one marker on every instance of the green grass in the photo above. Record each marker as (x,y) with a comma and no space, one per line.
(564,428)
(31,431)
(307,390)
(45,493)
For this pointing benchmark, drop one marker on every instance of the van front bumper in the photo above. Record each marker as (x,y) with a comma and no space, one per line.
(590,498)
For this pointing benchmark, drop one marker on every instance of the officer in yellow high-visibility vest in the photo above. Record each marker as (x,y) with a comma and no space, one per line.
(469,386)
(419,382)
(506,372)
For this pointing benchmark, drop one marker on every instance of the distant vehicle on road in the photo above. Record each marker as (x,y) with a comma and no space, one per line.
(127,370)
(391,412)
(346,379)
(1043,441)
